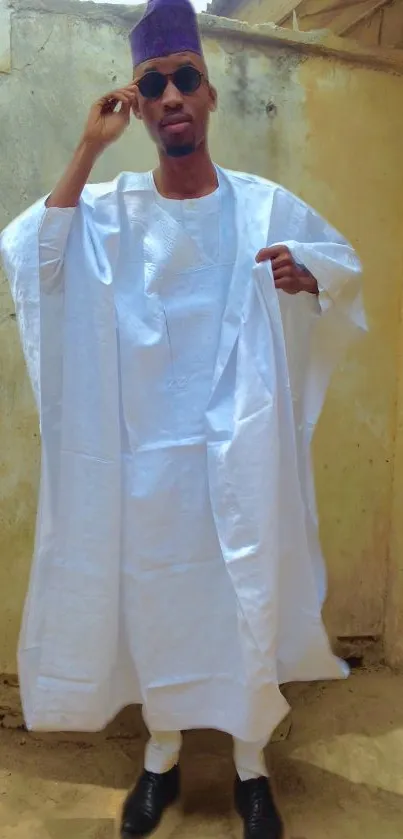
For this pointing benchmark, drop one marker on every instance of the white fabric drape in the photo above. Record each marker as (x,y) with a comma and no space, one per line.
(87,289)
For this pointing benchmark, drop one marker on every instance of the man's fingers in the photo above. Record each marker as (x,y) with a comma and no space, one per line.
(267,254)
(130,90)
(282,273)
(126,110)
(283,282)
(110,102)
(285,260)
(286,274)
(287,284)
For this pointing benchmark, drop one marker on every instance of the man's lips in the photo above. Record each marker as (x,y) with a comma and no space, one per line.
(175,124)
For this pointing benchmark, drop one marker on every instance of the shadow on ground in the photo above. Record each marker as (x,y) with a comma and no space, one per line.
(339,774)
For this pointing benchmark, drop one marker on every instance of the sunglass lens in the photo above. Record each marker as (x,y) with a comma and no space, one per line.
(187,79)
(152,85)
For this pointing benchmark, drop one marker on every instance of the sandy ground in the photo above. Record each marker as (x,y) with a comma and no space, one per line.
(339,774)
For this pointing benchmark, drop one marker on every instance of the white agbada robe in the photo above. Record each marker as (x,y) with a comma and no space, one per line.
(177,561)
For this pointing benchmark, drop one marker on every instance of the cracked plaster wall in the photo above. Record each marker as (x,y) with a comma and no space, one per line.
(5,37)
(326,129)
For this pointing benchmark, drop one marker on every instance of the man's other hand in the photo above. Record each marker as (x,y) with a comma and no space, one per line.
(288,276)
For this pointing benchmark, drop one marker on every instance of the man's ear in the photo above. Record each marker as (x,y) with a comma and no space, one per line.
(213,98)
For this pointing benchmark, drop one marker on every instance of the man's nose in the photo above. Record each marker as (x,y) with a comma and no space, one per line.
(172,97)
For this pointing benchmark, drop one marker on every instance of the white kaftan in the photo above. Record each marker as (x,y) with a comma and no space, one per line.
(177,561)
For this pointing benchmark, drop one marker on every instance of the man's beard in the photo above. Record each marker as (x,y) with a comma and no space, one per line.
(180,151)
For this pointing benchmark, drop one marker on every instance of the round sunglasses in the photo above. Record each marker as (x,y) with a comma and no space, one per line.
(186,79)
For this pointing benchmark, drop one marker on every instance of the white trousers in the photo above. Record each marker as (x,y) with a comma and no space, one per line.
(163,749)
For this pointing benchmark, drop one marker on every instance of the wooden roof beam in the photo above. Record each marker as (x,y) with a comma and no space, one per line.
(281,9)
(343,23)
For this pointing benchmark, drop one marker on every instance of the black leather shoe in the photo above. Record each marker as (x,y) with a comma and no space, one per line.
(145,805)
(255,804)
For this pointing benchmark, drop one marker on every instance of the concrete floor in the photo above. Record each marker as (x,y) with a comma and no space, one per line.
(339,774)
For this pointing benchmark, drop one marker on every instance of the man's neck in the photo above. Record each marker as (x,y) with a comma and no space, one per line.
(186,177)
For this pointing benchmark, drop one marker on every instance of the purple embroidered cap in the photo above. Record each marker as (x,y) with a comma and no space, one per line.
(167,27)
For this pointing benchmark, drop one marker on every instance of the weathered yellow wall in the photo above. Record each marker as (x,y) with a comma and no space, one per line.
(333,135)
(352,172)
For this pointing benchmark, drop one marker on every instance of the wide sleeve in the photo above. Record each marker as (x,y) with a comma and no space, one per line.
(52,238)
(32,249)
(317,332)
(36,241)
(329,257)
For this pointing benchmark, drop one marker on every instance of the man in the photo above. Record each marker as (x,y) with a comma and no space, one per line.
(176,560)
